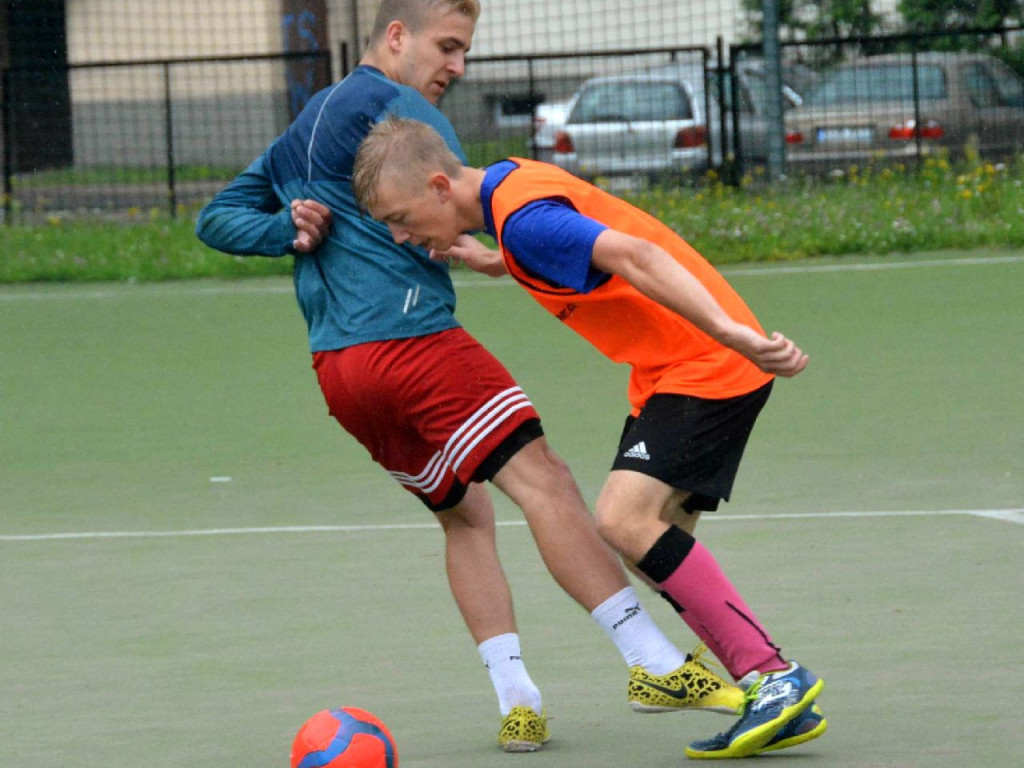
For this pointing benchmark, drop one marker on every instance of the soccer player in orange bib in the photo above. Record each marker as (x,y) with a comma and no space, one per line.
(702,369)
(429,403)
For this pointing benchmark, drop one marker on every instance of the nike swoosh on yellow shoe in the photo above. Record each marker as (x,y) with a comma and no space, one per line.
(693,686)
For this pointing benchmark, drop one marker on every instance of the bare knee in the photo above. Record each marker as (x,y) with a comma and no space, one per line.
(623,526)
(537,478)
(629,513)
(474,513)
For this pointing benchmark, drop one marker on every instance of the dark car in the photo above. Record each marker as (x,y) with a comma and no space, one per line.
(900,106)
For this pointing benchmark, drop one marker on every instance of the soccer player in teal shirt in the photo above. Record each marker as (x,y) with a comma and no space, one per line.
(427,401)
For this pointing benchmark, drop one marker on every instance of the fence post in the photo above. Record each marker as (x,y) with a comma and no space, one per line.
(172,193)
(740,165)
(773,85)
(343,55)
(916,86)
(531,85)
(356,42)
(8,159)
(729,155)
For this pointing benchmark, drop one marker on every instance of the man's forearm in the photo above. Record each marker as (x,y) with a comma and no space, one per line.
(246,217)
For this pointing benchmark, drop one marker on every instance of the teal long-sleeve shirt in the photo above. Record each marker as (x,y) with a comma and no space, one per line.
(358,285)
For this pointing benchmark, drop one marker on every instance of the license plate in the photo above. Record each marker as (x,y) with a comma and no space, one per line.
(844,135)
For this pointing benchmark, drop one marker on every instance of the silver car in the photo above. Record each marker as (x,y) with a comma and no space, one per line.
(667,120)
(885,107)
(652,122)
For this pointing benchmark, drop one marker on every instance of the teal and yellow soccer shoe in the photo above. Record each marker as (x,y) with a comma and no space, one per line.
(809,724)
(771,703)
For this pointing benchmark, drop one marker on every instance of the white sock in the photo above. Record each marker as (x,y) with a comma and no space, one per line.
(635,634)
(512,683)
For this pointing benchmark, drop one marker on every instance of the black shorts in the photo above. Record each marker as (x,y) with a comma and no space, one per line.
(691,443)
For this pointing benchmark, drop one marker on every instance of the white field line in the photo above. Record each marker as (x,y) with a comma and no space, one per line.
(964,261)
(244,288)
(1007,515)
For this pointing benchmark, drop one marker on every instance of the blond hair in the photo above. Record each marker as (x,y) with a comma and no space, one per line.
(416,14)
(402,151)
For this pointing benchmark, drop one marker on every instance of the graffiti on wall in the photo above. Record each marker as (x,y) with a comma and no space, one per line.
(304,30)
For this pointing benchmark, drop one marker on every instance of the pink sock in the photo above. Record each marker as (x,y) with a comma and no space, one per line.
(714,610)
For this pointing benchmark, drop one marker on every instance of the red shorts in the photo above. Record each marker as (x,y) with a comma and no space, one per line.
(431,409)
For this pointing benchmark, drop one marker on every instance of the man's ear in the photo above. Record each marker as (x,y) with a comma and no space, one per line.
(441,185)
(394,35)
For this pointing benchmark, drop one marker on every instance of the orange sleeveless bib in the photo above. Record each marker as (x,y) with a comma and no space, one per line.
(667,353)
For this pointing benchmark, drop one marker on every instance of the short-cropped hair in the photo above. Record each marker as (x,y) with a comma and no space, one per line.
(403,150)
(415,14)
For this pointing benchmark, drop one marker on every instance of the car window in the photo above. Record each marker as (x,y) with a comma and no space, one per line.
(743,89)
(753,91)
(1009,86)
(883,82)
(980,86)
(799,79)
(613,102)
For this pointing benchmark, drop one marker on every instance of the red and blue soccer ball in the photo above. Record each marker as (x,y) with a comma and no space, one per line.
(344,738)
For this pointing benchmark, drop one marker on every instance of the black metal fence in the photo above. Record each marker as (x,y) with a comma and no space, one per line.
(185,125)
(846,103)
(177,129)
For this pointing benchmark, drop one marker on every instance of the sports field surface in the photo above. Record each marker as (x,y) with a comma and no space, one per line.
(194,558)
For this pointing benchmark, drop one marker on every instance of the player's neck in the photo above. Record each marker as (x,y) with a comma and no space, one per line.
(471,209)
(377,58)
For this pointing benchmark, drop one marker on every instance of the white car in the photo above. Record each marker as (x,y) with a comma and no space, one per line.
(548,119)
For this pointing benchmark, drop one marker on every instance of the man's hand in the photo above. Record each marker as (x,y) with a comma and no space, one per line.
(312,222)
(474,255)
(777,355)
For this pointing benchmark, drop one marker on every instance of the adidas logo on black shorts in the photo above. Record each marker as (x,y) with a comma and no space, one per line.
(638,451)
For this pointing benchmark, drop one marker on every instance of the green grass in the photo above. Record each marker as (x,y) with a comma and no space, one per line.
(875,209)
(120,175)
(156,248)
(480,153)
(872,210)
(120,402)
